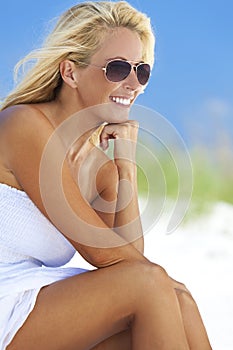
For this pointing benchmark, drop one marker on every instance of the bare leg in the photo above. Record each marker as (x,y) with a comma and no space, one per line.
(194,327)
(120,341)
(82,311)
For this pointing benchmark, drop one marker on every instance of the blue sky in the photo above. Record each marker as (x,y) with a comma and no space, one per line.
(192,81)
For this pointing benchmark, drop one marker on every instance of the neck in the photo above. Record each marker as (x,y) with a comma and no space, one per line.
(70,120)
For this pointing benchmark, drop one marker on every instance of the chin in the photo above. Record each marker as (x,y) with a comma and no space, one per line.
(108,113)
(116,113)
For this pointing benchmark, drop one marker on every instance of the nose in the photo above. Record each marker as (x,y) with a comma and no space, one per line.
(131,82)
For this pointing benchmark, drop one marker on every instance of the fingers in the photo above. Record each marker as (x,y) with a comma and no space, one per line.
(127,130)
(109,132)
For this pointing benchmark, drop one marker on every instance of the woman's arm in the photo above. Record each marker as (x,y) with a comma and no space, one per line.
(127,218)
(26,134)
(127,221)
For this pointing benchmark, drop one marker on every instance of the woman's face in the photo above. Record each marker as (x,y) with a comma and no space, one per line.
(94,89)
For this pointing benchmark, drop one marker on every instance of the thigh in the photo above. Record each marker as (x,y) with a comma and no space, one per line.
(121,341)
(79,312)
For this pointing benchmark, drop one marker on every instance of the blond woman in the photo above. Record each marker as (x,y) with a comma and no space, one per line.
(60,195)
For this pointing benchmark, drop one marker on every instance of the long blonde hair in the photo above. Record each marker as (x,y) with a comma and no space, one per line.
(77,36)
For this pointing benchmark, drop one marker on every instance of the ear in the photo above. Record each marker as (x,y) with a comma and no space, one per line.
(69,73)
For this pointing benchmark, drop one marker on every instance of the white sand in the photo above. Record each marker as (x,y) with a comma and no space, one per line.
(199,254)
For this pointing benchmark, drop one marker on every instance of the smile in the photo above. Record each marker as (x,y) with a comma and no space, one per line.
(121,100)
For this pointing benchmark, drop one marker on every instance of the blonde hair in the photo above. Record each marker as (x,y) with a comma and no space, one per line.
(77,36)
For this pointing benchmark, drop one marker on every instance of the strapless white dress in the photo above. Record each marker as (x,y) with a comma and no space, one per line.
(32,253)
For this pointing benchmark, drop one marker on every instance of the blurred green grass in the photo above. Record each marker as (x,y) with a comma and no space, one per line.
(212,177)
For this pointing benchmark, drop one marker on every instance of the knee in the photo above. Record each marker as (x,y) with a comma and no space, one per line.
(159,278)
(185,297)
(151,275)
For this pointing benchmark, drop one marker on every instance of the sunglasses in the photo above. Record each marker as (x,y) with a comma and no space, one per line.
(118,70)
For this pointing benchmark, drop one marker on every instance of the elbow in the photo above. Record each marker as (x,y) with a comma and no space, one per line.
(100,258)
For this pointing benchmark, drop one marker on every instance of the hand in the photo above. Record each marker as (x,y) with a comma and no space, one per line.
(125,136)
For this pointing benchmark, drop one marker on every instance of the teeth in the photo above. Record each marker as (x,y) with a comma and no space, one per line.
(123,101)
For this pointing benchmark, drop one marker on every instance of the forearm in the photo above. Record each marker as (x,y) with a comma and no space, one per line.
(127,218)
(104,257)
(127,221)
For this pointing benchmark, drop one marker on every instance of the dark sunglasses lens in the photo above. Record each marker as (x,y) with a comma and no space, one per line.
(143,73)
(117,70)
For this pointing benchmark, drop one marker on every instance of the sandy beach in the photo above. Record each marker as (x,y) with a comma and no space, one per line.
(200,254)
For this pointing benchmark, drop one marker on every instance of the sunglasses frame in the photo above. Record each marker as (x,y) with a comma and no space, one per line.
(133,66)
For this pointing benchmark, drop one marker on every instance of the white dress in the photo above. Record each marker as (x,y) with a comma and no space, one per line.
(32,253)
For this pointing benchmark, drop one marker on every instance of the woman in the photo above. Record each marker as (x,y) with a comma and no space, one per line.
(92,66)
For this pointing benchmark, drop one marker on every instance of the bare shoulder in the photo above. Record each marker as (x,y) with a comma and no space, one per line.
(20,126)
(24,131)
(21,119)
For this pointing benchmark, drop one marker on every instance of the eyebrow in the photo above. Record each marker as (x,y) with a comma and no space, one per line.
(117,57)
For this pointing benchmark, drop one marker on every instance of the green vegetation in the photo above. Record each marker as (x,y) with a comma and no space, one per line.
(212,177)
(162,176)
